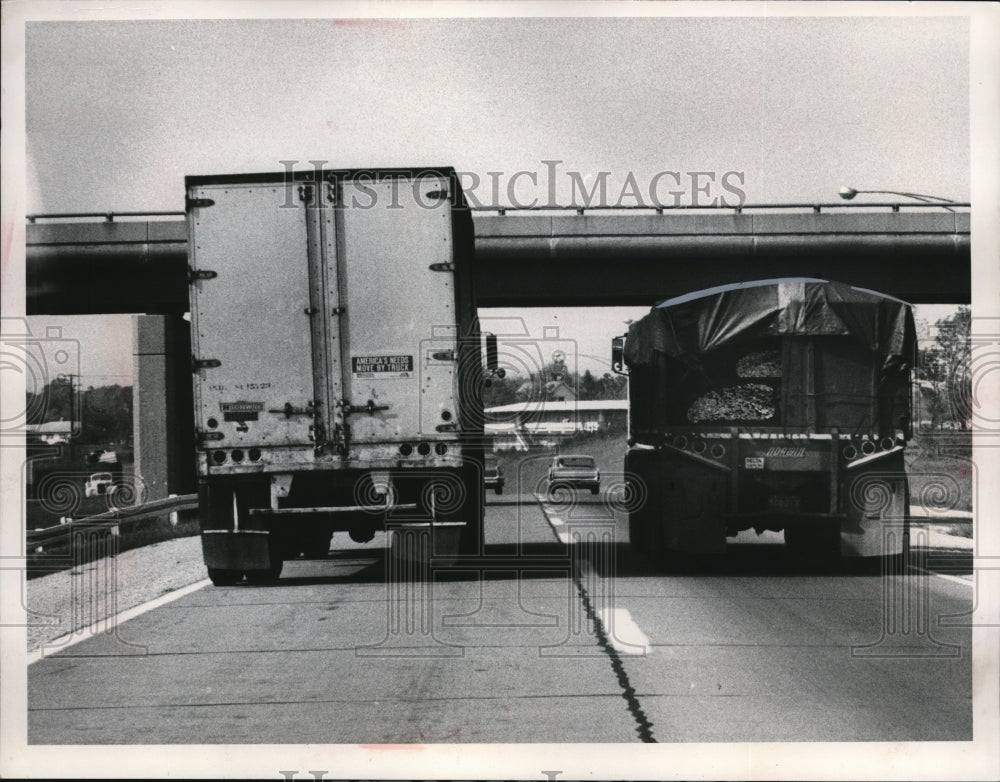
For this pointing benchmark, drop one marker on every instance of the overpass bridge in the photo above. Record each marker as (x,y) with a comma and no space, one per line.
(130,262)
(137,262)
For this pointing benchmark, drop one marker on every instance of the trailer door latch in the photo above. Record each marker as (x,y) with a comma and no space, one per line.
(289,410)
(370,407)
(199,364)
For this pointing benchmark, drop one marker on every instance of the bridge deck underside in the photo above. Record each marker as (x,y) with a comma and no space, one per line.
(141,266)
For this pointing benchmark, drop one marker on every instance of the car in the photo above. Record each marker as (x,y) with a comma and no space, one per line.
(493,474)
(98,484)
(574,470)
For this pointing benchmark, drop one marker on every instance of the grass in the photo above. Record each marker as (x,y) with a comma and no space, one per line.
(941,471)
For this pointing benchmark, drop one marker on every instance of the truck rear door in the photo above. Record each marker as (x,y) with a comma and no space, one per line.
(397,297)
(250,316)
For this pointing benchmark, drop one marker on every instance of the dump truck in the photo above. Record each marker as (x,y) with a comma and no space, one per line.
(337,366)
(778,405)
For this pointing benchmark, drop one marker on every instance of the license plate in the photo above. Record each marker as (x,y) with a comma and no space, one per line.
(783,503)
(753,463)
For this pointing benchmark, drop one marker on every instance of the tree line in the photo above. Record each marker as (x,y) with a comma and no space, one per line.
(100,414)
(546,385)
(944,373)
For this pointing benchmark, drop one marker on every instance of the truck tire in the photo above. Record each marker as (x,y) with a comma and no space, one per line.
(265,577)
(224,578)
(814,542)
(315,543)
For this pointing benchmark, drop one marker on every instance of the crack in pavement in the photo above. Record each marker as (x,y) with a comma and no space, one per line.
(644,726)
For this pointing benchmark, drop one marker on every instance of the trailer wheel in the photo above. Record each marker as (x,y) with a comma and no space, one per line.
(315,543)
(264,577)
(814,542)
(224,578)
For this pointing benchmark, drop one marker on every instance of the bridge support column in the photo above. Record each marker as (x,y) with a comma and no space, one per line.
(162,406)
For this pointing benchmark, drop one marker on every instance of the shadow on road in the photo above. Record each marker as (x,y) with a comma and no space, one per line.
(607,559)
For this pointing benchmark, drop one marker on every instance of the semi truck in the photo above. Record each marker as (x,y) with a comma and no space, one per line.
(337,366)
(778,405)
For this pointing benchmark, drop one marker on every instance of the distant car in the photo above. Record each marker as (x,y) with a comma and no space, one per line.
(98,484)
(575,470)
(494,474)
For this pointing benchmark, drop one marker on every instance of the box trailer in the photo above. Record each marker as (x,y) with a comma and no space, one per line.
(777,405)
(337,365)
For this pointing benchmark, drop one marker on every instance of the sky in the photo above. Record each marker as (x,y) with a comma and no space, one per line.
(789,109)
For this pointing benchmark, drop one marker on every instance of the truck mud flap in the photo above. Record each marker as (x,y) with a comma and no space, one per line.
(240,550)
(424,545)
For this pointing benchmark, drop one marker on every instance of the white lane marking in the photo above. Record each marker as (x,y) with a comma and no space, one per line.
(556,520)
(71,639)
(565,537)
(958,580)
(969,582)
(623,633)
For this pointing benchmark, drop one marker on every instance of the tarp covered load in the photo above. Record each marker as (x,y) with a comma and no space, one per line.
(701,322)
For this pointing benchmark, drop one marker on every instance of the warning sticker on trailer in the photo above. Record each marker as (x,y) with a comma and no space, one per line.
(754,463)
(381,367)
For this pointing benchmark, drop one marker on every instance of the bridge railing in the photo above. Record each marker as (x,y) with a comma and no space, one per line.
(815,208)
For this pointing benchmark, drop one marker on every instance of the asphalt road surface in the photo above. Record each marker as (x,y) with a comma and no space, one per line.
(556,636)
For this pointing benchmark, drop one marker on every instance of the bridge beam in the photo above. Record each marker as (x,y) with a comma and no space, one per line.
(641,259)
(563,260)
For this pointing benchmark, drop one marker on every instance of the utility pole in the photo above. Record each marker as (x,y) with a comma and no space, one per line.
(72,416)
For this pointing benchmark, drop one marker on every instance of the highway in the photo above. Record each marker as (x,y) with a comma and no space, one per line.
(557,636)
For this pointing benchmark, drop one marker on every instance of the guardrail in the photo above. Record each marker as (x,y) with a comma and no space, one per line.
(114,518)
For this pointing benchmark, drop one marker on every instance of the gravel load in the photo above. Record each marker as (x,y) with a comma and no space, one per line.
(746,402)
(761,363)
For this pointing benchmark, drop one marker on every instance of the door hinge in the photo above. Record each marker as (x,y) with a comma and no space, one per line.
(201,274)
(338,310)
(197,203)
(198,364)
(442,267)
(305,193)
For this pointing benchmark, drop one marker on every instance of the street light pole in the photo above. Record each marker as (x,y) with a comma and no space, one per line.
(847,193)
